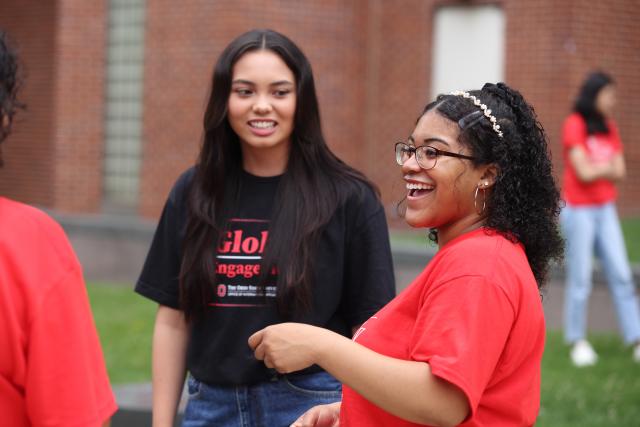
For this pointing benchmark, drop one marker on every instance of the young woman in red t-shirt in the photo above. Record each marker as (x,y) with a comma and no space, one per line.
(463,343)
(594,162)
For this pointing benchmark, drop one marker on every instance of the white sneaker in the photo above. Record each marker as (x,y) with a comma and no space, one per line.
(636,353)
(582,354)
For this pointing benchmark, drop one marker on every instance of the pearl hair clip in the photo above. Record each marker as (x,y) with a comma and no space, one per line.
(483,107)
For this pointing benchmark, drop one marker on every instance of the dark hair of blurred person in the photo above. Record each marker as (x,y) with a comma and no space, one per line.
(588,105)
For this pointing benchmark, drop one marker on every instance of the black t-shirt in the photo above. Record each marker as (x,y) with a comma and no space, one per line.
(353,276)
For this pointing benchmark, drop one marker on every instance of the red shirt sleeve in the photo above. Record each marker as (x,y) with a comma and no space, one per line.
(67,383)
(462,331)
(574,132)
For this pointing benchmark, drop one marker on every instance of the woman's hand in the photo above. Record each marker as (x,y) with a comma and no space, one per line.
(288,347)
(320,416)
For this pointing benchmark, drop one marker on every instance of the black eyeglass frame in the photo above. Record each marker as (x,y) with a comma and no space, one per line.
(403,146)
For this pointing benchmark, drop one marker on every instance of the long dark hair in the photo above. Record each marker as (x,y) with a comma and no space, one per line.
(314,184)
(524,202)
(9,85)
(585,103)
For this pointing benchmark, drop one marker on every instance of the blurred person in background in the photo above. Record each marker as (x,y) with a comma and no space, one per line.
(268,226)
(463,343)
(52,371)
(594,163)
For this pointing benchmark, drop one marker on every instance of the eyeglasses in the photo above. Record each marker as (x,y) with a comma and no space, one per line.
(426,155)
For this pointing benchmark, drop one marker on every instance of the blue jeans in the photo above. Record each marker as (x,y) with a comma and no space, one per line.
(274,403)
(597,228)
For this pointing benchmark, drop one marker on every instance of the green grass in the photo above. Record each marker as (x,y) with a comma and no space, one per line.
(603,395)
(631,230)
(125,324)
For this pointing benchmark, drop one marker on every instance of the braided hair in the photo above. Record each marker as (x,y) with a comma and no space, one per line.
(524,203)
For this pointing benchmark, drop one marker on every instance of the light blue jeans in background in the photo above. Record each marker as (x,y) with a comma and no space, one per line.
(588,230)
(275,403)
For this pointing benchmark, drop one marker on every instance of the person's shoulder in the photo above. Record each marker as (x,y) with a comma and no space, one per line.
(186,176)
(613,127)
(489,242)
(361,202)
(479,238)
(182,184)
(29,233)
(479,250)
(20,218)
(575,118)
(499,256)
(488,255)
(360,191)
(574,123)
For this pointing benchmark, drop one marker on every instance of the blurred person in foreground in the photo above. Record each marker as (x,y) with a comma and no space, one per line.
(463,343)
(52,371)
(594,163)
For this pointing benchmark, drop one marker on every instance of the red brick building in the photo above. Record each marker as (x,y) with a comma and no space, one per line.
(116,89)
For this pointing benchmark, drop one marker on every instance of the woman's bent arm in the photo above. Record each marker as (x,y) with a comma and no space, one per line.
(587,171)
(170,338)
(619,168)
(404,388)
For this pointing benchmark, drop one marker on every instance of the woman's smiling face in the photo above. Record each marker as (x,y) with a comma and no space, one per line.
(261,107)
(443,197)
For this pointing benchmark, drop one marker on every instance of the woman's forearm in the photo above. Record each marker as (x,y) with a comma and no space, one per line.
(618,168)
(170,338)
(404,388)
(587,171)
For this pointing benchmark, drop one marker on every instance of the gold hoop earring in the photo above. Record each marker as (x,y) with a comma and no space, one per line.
(484,201)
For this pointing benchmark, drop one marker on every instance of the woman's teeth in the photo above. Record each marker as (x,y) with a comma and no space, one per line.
(415,189)
(412,186)
(262,125)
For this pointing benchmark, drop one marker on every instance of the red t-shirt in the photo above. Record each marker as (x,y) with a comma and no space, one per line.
(599,148)
(475,315)
(52,372)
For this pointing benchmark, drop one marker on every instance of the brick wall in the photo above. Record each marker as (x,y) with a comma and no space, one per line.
(372,66)
(54,157)
(552,46)
(182,47)
(28,171)
(371,60)
(79,105)
(606,36)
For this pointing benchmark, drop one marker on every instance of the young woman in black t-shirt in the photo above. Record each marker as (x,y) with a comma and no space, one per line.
(269,226)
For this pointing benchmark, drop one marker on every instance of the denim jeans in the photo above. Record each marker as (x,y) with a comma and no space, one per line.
(275,403)
(596,228)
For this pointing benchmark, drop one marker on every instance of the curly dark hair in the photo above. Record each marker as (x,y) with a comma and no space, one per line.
(9,85)
(524,204)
